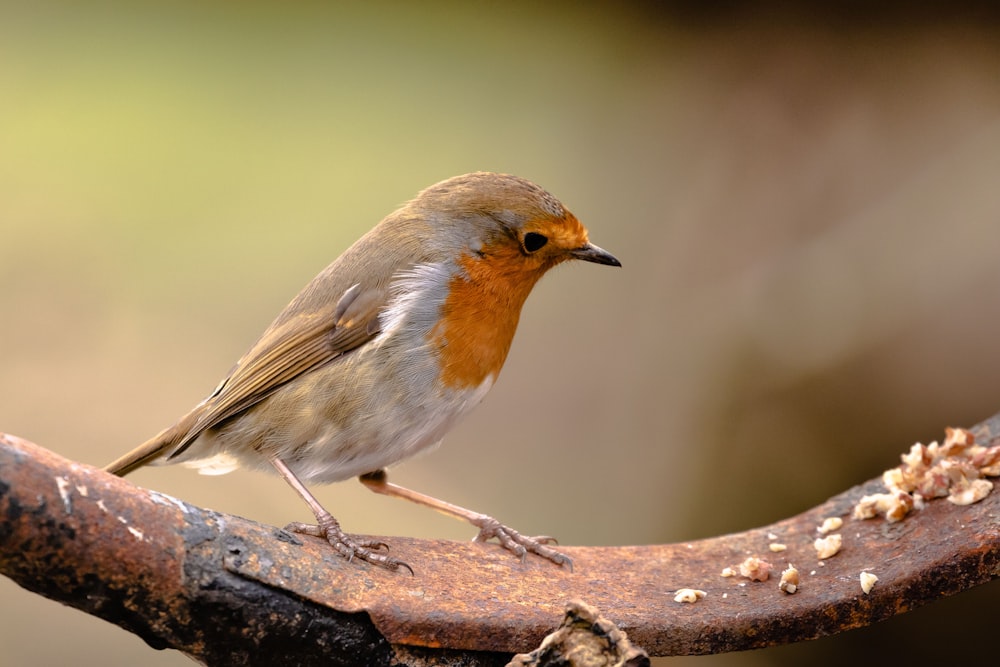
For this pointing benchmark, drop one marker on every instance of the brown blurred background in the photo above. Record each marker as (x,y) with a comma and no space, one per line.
(807,206)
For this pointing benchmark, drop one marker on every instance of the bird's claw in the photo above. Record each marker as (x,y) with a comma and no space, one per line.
(519,544)
(349,546)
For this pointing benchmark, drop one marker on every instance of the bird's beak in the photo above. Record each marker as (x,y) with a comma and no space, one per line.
(591,253)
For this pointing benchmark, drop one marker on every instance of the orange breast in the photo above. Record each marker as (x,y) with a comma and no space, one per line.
(480,315)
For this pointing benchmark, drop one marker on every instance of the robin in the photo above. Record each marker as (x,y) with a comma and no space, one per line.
(384,351)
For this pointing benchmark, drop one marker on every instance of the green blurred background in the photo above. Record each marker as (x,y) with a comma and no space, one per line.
(807,207)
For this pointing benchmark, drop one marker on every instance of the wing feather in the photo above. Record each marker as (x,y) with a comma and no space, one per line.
(294,347)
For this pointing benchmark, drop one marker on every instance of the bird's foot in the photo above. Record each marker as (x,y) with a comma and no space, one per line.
(348,546)
(517,543)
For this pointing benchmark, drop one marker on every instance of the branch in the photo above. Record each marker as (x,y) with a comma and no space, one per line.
(169,571)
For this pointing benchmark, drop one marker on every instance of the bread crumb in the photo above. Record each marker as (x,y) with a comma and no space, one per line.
(867,582)
(967,492)
(755,569)
(789,582)
(689,595)
(953,469)
(828,546)
(830,524)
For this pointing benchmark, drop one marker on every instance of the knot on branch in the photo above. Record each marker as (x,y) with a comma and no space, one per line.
(585,639)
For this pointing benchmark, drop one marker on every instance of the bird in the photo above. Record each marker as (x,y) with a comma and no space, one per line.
(383,352)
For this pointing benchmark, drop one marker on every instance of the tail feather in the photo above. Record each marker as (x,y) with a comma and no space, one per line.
(159,446)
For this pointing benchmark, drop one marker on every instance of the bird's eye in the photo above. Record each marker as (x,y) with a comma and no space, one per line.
(534,241)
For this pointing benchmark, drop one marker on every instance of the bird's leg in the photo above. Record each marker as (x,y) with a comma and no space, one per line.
(488,527)
(328,528)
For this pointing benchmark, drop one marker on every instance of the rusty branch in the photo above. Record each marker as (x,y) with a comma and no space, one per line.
(168,571)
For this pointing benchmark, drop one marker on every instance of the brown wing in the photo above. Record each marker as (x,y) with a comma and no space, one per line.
(306,335)
(292,347)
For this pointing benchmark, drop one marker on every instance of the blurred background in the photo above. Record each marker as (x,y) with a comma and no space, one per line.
(806,203)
